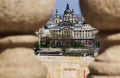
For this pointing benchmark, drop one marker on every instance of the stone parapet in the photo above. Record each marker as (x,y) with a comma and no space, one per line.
(105,16)
(23,16)
(19,19)
(65,66)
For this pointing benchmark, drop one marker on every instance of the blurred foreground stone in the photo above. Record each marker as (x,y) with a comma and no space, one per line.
(20,63)
(23,16)
(18,21)
(18,41)
(105,15)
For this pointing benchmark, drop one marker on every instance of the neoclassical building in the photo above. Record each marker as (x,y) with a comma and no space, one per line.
(68,28)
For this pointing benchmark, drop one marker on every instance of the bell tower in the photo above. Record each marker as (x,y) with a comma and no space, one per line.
(73,17)
(57,17)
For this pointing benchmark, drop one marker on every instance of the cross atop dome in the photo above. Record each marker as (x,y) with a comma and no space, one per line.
(67,7)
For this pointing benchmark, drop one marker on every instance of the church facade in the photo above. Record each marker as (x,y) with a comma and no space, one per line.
(68,30)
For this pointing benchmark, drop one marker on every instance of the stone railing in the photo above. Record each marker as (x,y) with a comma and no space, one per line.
(66,67)
(105,16)
(18,21)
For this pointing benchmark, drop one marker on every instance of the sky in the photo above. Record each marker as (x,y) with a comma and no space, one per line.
(61,6)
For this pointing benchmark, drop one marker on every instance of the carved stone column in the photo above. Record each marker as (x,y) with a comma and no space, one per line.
(105,16)
(19,19)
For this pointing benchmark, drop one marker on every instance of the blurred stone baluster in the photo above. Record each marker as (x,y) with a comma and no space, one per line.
(105,16)
(19,19)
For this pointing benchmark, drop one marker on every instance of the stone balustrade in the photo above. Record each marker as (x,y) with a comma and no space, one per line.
(18,21)
(105,16)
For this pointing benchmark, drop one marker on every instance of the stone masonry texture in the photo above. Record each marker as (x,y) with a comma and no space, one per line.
(105,16)
(19,19)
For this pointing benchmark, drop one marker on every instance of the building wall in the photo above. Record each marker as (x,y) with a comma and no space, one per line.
(83,33)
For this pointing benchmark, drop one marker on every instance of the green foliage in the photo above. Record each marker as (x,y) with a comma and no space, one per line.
(64,48)
(36,47)
(80,53)
(77,45)
(66,44)
(97,44)
(46,41)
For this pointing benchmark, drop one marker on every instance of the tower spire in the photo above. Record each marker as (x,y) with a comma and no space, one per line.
(67,7)
(56,18)
(56,11)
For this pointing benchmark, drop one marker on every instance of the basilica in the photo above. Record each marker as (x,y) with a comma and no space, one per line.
(67,29)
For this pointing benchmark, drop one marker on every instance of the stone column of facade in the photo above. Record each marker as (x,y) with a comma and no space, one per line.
(19,19)
(105,16)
